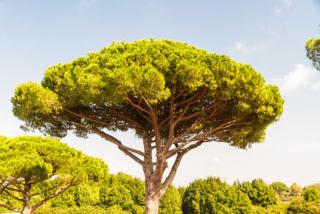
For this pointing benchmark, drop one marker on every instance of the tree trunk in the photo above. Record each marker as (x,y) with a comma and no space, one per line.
(26,210)
(152,197)
(152,203)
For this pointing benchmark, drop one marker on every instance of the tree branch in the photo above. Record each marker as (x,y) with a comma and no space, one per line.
(12,196)
(154,122)
(202,137)
(139,108)
(127,150)
(6,206)
(57,193)
(196,96)
(171,175)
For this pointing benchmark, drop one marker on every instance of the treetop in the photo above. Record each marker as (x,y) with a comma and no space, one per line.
(115,82)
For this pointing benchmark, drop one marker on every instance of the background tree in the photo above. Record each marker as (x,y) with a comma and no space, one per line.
(295,190)
(259,193)
(176,97)
(313,52)
(171,202)
(213,196)
(300,206)
(34,170)
(281,189)
(311,193)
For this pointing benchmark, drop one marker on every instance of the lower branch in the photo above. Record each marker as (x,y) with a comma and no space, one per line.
(171,175)
(128,151)
(57,193)
(8,207)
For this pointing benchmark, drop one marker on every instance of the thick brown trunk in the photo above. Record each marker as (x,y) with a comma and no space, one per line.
(152,196)
(152,202)
(26,210)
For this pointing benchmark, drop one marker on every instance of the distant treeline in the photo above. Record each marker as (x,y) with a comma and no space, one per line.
(121,193)
(45,176)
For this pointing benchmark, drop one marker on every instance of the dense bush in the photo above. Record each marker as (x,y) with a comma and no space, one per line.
(259,193)
(311,193)
(171,202)
(300,206)
(295,190)
(213,196)
(280,188)
(82,210)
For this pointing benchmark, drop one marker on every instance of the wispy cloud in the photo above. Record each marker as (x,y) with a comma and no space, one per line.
(276,11)
(246,49)
(281,7)
(287,2)
(300,78)
(86,3)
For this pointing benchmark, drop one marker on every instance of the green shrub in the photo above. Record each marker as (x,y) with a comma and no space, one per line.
(311,193)
(299,206)
(259,193)
(213,196)
(171,202)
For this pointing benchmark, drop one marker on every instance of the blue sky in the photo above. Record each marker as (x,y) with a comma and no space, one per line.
(270,35)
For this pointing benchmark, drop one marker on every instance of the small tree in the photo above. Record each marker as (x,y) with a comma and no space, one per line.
(213,196)
(176,97)
(34,170)
(259,193)
(281,189)
(313,52)
(295,190)
(311,193)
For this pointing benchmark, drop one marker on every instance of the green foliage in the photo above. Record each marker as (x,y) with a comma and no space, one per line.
(299,206)
(280,187)
(311,193)
(43,165)
(150,71)
(295,190)
(313,51)
(81,210)
(273,209)
(123,190)
(171,202)
(213,196)
(134,185)
(259,193)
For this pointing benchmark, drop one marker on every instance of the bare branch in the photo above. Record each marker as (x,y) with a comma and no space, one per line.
(127,150)
(196,96)
(154,122)
(171,175)
(137,107)
(202,137)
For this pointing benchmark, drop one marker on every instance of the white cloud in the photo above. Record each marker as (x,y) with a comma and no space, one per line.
(301,77)
(246,49)
(284,5)
(287,2)
(276,11)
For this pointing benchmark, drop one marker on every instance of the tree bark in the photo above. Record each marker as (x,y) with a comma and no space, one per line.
(152,199)
(26,210)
